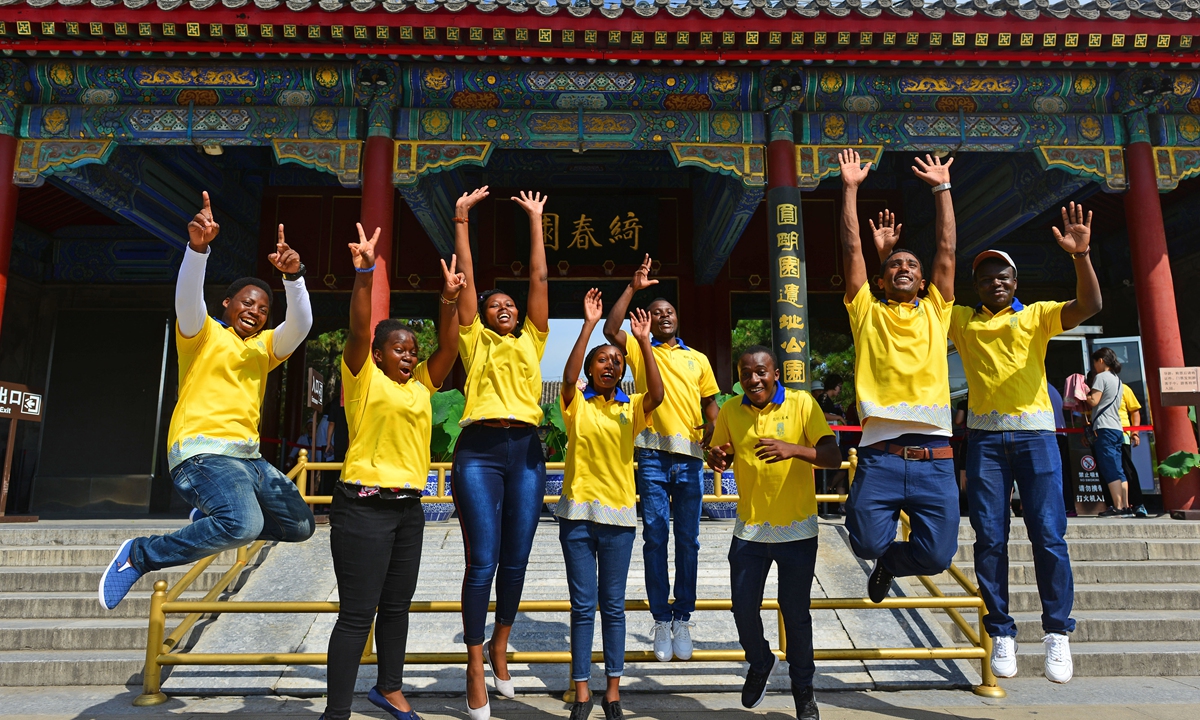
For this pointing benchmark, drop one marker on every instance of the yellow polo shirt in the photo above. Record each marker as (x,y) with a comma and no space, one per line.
(1004,358)
(390,424)
(900,370)
(1129,403)
(599,484)
(504,373)
(222,380)
(687,377)
(777,502)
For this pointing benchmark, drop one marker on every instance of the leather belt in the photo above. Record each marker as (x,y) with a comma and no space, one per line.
(503,423)
(916,452)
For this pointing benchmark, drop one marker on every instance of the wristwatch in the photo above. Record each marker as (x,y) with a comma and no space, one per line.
(296,275)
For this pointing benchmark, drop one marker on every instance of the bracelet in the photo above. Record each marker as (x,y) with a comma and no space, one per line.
(1083,254)
(464,221)
(940,188)
(451,301)
(364,270)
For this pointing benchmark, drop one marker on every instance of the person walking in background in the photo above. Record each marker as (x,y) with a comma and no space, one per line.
(597,510)
(901,379)
(773,437)
(1106,432)
(376,521)
(670,460)
(1130,412)
(213,440)
(1011,419)
(499,471)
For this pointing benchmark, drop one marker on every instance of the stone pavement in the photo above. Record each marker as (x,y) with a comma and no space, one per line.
(1127,698)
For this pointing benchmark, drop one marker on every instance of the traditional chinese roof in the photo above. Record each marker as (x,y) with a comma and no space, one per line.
(775,9)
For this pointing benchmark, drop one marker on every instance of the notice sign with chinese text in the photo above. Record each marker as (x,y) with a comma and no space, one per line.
(17,402)
(590,229)
(1179,386)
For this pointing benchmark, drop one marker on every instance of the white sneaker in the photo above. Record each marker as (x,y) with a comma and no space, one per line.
(1059,668)
(661,634)
(1004,657)
(681,639)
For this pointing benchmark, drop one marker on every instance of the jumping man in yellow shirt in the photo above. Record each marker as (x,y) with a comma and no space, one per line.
(213,439)
(902,382)
(670,459)
(773,436)
(1003,348)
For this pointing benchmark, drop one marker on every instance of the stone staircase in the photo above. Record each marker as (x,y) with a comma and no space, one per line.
(1137,596)
(53,630)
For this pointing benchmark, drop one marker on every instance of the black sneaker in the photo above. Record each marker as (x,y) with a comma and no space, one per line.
(879,583)
(581,710)
(1128,512)
(612,710)
(806,704)
(1110,512)
(755,688)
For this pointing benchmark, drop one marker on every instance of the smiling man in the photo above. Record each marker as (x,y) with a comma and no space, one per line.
(902,381)
(1011,420)
(213,442)
(670,456)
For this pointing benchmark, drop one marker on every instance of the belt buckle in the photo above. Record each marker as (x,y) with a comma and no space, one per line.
(914,452)
(505,423)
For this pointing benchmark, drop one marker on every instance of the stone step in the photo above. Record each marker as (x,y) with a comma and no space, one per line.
(1092,626)
(1085,573)
(1131,598)
(63,532)
(1103,529)
(71,667)
(1091,550)
(76,605)
(97,634)
(1113,659)
(87,578)
(71,556)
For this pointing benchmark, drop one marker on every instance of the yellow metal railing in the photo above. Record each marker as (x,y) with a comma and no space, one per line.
(164,650)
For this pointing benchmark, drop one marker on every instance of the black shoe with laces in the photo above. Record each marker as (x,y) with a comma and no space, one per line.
(612,710)
(755,687)
(806,704)
(879,583)
(1110,512)
(581,710)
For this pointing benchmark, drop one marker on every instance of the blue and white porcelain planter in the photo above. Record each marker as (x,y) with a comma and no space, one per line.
(720,510)
(436,512)
(554,485)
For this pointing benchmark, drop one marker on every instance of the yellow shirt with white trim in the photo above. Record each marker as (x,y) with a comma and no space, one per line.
(1004,358)
(1129,403)
(777,502)
(900,368)
(504,373)
(687,377)
(599,485)
(222,380)
(390,424)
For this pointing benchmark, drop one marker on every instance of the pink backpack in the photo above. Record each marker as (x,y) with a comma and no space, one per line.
(1075,392)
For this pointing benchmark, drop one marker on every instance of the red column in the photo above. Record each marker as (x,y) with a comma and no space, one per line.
(1159,320)
(378,211)
(8,211)
(781,163)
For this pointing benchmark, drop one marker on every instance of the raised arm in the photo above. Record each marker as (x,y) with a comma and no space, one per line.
(853,174)
(933,171)
(468,303)
(593,310)
(442,360)
(189,286)
(358,344)
(612,325)
(538,307)
(1076,238)
(639,324)
(299,319)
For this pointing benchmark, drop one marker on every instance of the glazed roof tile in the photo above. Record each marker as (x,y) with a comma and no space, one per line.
(934,9)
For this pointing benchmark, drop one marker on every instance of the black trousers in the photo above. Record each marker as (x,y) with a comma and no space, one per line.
(376,548)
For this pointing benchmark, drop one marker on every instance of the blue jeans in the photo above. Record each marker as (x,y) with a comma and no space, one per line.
(498,481)
(242,500)
(597,558)
(749,563)
(669,481)
(1107,450)
(884,485)
(994,461)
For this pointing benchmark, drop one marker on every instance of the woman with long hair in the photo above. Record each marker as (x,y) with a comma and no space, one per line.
(376,522)
(499,472)
(1107,434)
